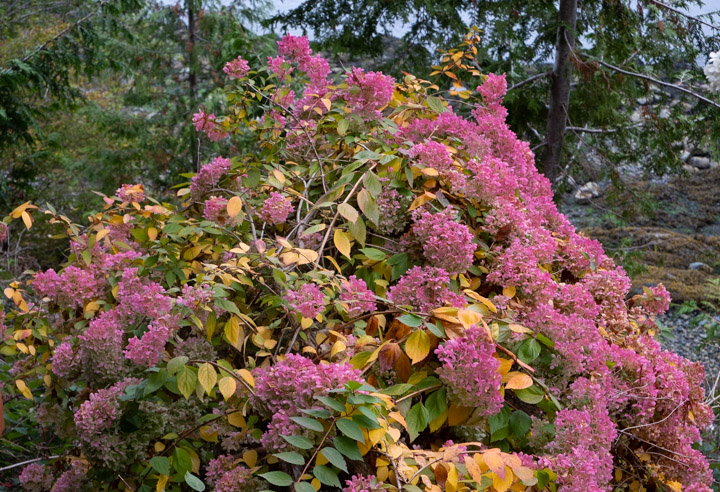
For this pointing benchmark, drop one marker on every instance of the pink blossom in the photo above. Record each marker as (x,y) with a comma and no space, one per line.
(73,479)
(360,483)
(148,350)
(308,300)
(470,371)
(434,155)
(215,210)
(131,193)
(208,124)
(368,92)
(446,243)
(359,298)
(99,411)
(296,48)
(63,360)
(275,209)
(280,66)
(209,176)
(392,208)
(3,231)
(425,288)
(36,477)
(237,68)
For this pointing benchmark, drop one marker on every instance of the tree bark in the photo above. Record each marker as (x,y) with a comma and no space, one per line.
(192,75)
(559,89)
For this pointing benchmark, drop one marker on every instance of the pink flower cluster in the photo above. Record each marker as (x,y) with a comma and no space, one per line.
(354,291)
(276,209)
(64,362)
(470,371)
(392,208)
(208,176)
(226,475)
(149,348)
(237,68)
(215,210)
(36,477)
(283,389)
(131,193)
(100,410)
(436,156)
(297,49)
(308,300)
(73,287)
(368,92)
(425,288)
(446,243)
(208,124)
(73,479)
(3,231)
(362,483)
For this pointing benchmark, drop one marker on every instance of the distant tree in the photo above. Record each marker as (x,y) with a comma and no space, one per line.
(605,54)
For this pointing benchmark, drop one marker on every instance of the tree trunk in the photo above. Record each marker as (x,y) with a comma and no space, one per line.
(192,76)
(559,89)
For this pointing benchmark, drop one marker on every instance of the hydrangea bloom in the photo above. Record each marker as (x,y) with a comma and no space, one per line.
(296,48)
(208,176)
(279,66)
(72,480)
(283,389)
(131,193)
(215,210)
(358,297)
(392,208)
(308,300)
(361,483)
(63,360)
(73,287)
(425,288)
(446,243)
(436,156)
(369,91)
(208,124)
(275,209)
(3,231)
(712,71)
(148,350)
(470,371)
(36,477)
(99,411)
(100,346)
(237,68)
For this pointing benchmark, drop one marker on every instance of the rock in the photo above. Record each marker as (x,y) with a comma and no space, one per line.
(700,162)
(586,193)
(699,265)
(642,101)
(684,155)
(688,168)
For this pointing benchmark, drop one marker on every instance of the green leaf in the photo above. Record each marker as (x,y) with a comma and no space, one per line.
(373,254)
(417,420)
(160,464)
(334,457)
(368,205)
(308,423)
(181,460)
(358,230)
(342,129)
(319,413)
(348,447)
(291,457)
(194,482)
(436,404)
(529,350)
(300,442)
(499,425)
(304,487)
(520,423)
(186,381)
(281,479)
(411,320)
(228,306)
(332,403)
(327,476)
(350,429)
(436,104)
(367,154)
(175,364)
(397,389)
(532,395)
(436,329)
(348,212)
(366,422)
(372,183)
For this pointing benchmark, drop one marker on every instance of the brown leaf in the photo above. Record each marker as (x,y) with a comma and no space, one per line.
(503,233)
(441,474)
(372,326)
(388,355)
(402,368)
(397,330)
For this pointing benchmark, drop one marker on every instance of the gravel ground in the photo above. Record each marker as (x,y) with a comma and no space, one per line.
(690,341)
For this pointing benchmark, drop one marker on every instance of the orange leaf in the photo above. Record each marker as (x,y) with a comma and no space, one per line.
(519,381)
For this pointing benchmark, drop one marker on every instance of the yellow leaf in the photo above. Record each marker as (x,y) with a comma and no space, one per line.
(306,256)
(421,200)
(509,291)
(234,206)
(515,328)
(337,347)
(250,457)
(473,469)
(24,389)
(518,381)
(236,419)
(279,176)
(326,102)
(502,484)
(27,220)
(247,376)
(159,447)
(468,318)
(457,414)
(233,331)
(417,346)
(342,242)
(505,365)
(152,234)
(161,483)
(348,212)
(428,171)
(207,376)
(208,434)
(227,386)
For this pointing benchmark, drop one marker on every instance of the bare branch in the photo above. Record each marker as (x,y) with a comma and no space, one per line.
(684,14)
(530,79)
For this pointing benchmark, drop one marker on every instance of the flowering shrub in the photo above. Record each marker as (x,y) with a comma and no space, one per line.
(379,294)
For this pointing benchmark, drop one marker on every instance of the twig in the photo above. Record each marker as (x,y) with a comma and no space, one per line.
(528,80)
(684,14)
(34,460)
